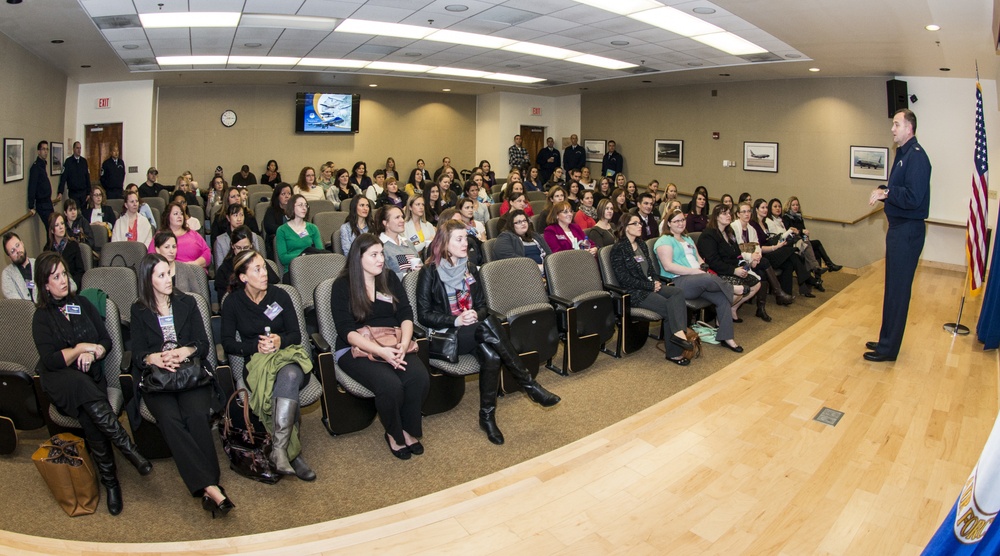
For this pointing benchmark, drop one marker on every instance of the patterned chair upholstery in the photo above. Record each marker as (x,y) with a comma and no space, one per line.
(335,242)
(257,192)
(307,271)
(328,223)
(259,210)
(100,233)
(515,294)
(87,254)
(489,250)
(313,389)
(587,318)
(493,227)
(155,203)
(19,408)
(191,278)
(350,407)
(633,322)
(58,422)
(319,207)
(123,253)
(118,282)
(116,205)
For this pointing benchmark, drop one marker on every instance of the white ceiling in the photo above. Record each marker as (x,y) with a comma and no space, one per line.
(841,37)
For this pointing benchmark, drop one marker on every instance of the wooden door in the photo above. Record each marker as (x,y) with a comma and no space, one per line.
(533,139)
(98,140)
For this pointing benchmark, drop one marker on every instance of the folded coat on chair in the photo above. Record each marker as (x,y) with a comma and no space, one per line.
(260,379)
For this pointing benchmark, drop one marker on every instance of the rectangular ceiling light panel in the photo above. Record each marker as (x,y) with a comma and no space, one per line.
(278,21)
(189,19)
(366,27)
(730,43)
(333,63)
(622,7)
(542,50)
(600,62)
(676,21)
(469,39)
(191,60)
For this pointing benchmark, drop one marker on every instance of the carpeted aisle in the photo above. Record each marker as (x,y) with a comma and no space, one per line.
(357,473)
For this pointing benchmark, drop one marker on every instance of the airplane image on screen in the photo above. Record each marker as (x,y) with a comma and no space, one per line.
(869,163)
(754,155)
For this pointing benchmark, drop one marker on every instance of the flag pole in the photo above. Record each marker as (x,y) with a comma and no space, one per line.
(957,328)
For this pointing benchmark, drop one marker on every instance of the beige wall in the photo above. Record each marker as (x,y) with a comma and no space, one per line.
(33,109)
(814,122)
(403,125)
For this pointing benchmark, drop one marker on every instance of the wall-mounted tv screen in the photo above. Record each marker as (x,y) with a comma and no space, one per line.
(326,113)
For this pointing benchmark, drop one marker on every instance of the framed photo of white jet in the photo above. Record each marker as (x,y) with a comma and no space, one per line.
(760,157)
(869,163)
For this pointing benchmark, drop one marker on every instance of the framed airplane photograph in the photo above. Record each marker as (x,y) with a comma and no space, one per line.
(595,150)
(869,163)
(760,157)
(56,158)
(13,159)
(668,152)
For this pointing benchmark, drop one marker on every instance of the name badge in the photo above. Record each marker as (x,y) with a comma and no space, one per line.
(560,236)
(166,321)
(273,310)
(414,238)
(72,309)
(129,236)
(639,259)
(30,284)
(379,296)
(469,280)
(303,233)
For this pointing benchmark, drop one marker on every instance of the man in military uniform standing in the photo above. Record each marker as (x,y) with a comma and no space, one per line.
(113,175)
(39,187)
(907,199)
(75,179)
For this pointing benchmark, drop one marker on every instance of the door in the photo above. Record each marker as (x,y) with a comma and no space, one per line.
(98,140)
(533,139)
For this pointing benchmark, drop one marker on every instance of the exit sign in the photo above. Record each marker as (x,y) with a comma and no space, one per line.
(536,111)
(104,102)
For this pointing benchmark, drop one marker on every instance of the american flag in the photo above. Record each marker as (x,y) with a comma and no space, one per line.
(975,242)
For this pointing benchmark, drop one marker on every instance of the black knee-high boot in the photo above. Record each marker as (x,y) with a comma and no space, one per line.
(779,294)
(104,460)
(489,332)
(489,383)
(106,421)
(762,302)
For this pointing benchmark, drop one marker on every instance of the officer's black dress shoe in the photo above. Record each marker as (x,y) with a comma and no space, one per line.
(878,357)
(871,345)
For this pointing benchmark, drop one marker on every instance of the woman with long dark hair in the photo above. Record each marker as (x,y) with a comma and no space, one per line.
(359,176)
(342,190)
(720,249)
(360,220)
(191,246)
(367,294)
(449,296)
(167,331)
(781,254)
(518,239)
(72,342)
(79,228)
(697,215)
(271,175)
(275,215)
(433,203)
(415,183)
(60,242)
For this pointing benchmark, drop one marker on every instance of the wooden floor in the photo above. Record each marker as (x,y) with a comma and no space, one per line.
(733,465)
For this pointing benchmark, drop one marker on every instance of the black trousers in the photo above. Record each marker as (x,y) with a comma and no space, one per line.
(399,393)
(903,243)
(669,304)
(183,418)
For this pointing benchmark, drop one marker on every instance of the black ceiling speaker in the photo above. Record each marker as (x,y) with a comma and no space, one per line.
(895,95)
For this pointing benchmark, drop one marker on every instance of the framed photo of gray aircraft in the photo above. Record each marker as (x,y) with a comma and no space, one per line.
(869,163)
(595,150)
(760,157)
(668,152)
(13,159)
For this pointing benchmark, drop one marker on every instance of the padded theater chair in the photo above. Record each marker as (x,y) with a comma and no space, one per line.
(123,253)
(116,281)
(19,407)
(306,272)
(633,322)
(516,296)
(328,223)
(693,305)
(586,312)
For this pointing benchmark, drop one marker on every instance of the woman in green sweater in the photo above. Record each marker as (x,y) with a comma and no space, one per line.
(296,236)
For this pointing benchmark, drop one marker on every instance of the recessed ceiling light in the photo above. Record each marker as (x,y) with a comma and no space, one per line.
(130,46)
(793,56)
(620,43)
(57,41)
(446,90)
(945,69)
(814,70)
(704,11)
(366,27)
(456,8)
(600,61)
(373,85)
(163,20)
(933,27)
(413,54)
(264,60)
(286,21)
(513,78)
(252,44)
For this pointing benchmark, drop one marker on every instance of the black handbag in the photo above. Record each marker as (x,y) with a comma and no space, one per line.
(248,451)
(193,373)
(443,345)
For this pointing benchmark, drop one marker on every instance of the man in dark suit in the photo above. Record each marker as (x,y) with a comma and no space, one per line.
(907,199)
(613,162)
(548,160)
(39,187)
(574,157)
(75,179)
(113,175)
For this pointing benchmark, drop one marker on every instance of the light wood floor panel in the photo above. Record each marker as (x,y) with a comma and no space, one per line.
(732,465)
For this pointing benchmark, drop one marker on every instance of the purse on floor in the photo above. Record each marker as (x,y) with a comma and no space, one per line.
(386,336)
(192,374)
(69,472)
(248,450)
(443,345)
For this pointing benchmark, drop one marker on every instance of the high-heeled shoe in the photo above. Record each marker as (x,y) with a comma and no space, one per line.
(222,508)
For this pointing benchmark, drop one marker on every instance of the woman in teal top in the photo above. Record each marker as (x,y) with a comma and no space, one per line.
(296,236)
(679,260)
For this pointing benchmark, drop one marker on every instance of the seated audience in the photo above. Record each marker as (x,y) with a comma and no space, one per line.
(271,175)
(191,246)
(244,178)
(602,233)
(377,187)
(359,177)
(450,296)
(390,169)
(359,221)
(792,218)
(59,241)
(631,195)
(240,240)
(297,236)
(79,228)
(533,182)
(220,224)
(418,231)
(480,210)
(489,176)
(367,294)
(167,331)
(586,214)
(214,197)
(415,183)
(697,215)
(392,196)
(307,186)
(234,219)
(97,212)
(72,342)
(781,254)
(618,197)
(342,190)
(562,233)
(647,217)
(720,249)
(556,179)
(18,276)
(434,204)
(466,212)
(552,196)
(325,179)
(603,190)
(585,180)
(776,227)
(265,318)
(753,251)
(706,210)
(638,274)
(143,207)
(515,191)
(400,255)
(518,239)
(275,215)
(132,226)
(193,223)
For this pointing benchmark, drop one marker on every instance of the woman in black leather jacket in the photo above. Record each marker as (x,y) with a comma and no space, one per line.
(449,296)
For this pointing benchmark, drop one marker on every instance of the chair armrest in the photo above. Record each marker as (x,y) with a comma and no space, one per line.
(615,289)
(221,355)
(499,316)
(561,301)
(126,363)
(419,332)
(320,342)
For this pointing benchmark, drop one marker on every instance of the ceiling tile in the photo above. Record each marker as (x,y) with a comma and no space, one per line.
(287,7)
(381,13)
(214,5)
(98,8)
(540,6)
(156,35)
(584,15)
(135,34)
(549,24)
(329,8)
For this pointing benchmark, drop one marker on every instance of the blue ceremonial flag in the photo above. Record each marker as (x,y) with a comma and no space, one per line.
(969,530)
